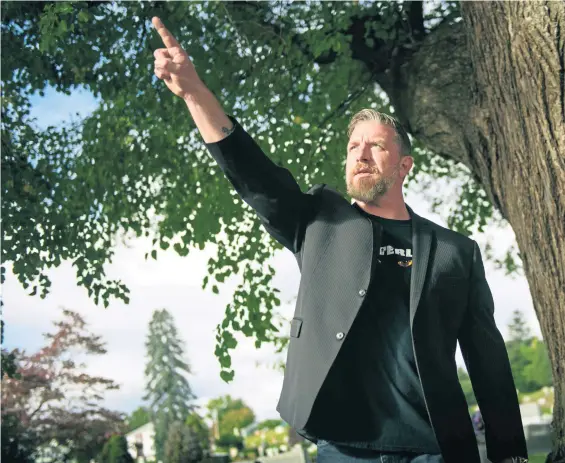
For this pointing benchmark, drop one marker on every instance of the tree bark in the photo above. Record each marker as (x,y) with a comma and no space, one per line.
(490,92)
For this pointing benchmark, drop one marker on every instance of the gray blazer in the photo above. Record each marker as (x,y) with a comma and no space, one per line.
(450,301)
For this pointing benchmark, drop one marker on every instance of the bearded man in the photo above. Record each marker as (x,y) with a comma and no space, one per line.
(384,297)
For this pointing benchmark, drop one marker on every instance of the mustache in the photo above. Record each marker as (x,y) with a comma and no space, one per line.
(361,169)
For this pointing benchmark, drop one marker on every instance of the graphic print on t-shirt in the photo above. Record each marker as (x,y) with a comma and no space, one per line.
(402,256)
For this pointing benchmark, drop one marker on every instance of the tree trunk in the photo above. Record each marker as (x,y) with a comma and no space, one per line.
(489,92)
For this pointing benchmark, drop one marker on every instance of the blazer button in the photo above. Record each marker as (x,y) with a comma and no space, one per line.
(339,336)
(362,292)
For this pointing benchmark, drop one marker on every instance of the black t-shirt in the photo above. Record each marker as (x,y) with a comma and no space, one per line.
(372,397)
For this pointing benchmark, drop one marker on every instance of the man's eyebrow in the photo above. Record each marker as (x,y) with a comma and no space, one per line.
(372,140)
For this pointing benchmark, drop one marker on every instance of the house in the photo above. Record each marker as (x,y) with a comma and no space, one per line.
(531,414)
(253,428)
(140,443)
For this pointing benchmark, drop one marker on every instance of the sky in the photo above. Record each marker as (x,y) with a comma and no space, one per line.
(174,283)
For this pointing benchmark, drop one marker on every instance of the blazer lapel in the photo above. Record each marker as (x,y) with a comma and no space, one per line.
(422,241)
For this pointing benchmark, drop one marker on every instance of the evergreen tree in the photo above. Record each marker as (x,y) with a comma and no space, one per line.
(519,336)
(168,391)
(518,329)
(115,451)
(194,450)
(174,444)
(197,425)
(182,445)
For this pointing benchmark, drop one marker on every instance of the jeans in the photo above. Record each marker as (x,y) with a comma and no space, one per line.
(329,453)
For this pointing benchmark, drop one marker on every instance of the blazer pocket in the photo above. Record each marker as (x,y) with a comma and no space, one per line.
(295,327)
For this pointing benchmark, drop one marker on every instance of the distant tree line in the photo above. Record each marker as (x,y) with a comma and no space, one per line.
(529,360)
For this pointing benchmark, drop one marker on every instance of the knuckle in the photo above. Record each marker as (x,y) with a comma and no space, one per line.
(161,53)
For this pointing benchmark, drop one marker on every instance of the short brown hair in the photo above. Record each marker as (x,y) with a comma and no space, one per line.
(372,115)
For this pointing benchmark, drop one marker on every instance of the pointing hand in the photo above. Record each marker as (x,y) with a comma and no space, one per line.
(173,65)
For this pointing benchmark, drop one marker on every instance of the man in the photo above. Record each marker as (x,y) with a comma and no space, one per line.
(384,297)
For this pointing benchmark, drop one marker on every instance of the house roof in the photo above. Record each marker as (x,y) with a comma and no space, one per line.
(147,427)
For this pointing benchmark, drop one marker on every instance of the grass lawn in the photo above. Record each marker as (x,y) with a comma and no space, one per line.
(538,458)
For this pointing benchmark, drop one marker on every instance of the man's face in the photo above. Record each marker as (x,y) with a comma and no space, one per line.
(373,148)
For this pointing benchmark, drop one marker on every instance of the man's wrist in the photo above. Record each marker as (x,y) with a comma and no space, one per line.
(196,95)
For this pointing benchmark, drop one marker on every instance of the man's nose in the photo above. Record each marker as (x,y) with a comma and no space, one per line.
(364,152)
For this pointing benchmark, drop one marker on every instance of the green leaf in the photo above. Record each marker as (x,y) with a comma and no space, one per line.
(225,362)
(231,343)
(83,16)
(62,28)
(227,376)
(64,7)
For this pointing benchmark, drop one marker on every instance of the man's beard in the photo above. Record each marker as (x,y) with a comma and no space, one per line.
(367,189)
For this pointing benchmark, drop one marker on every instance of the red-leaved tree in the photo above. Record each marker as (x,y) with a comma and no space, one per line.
(53,398)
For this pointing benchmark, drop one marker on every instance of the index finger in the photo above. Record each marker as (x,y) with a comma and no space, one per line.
(167,37)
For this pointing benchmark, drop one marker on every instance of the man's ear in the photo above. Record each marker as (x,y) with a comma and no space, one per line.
(407,162)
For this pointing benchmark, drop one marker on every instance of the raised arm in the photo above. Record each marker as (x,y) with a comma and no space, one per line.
(269,189)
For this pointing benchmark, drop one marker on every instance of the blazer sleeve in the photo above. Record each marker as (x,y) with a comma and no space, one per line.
(488,365)
(271,190)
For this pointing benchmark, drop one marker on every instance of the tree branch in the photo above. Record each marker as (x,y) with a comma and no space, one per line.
(39,407)
(415,16)
(377,57)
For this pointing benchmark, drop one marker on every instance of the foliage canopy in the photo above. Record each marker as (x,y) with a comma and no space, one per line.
(290,72)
